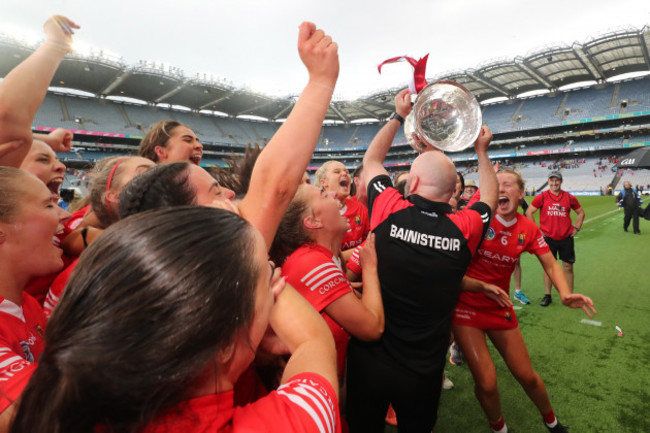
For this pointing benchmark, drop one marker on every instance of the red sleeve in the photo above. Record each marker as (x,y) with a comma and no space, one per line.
(306,403)
(383,200)
(354,262)
(56,289)
(316,277)
(473,222)
(575,204)
(538,201)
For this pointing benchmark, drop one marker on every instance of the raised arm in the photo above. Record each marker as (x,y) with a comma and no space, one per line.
(282,163)
(556,274)
(373,160)
(486,176)
(60,140)
(24,88)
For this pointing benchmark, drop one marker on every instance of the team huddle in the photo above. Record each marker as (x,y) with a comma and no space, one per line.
(248,299)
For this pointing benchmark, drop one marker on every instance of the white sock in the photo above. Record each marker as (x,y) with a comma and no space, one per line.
(553,424)
(503,430)
(517,291)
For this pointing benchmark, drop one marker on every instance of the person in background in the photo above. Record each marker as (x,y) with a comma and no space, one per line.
(555,207)
(469,190)
(630,201)
(333,176)
(171,141)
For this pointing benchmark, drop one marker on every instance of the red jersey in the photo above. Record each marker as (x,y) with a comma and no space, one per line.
(357,216)
(21,343)
(495,259)
(554,213)
(316,274)
(354,262)
(305,404)
(56,289)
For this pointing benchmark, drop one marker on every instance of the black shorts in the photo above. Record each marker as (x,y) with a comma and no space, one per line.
(564,249)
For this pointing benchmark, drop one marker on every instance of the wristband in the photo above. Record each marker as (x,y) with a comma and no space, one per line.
(399,118)
(577,228)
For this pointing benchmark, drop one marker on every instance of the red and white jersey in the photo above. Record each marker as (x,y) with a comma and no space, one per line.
(554,213)
(495,259)
(22,330)
(354,262)
(56,289)
(316,274)
(305,404)
(357,216)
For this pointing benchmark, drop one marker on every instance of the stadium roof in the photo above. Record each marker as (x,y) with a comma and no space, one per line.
(549,69)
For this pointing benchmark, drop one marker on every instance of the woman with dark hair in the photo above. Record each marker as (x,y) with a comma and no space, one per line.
(171,141)
(491,314)
(307,246)
(29,220)
(147,339)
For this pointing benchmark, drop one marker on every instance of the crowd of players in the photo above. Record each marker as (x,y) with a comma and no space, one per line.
(168,301)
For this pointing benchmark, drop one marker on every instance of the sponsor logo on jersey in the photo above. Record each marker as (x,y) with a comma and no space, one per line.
(556,210)
(357,219)
(490,234)
(431,214)
(424,239)
(522,238)
(496,256)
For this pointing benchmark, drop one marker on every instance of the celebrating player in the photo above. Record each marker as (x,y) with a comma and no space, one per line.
(480,314)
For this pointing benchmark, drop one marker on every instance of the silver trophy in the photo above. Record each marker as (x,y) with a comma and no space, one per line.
(445,116)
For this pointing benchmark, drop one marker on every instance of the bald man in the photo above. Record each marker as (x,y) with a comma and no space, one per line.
(423,250)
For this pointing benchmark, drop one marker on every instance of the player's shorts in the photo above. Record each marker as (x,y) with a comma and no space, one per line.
(485,318)
(564,249)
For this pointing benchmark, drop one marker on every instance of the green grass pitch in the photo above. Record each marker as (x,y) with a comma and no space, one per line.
(597,381)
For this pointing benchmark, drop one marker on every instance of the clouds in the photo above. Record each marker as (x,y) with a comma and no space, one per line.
(253,42)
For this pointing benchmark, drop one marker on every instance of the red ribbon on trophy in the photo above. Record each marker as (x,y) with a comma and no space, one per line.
(419,67)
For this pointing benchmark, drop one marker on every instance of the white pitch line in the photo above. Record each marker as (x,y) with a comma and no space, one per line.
(600,216)
(591,322)
(517,307)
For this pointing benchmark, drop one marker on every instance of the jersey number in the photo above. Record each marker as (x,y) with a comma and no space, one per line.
(504,240)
